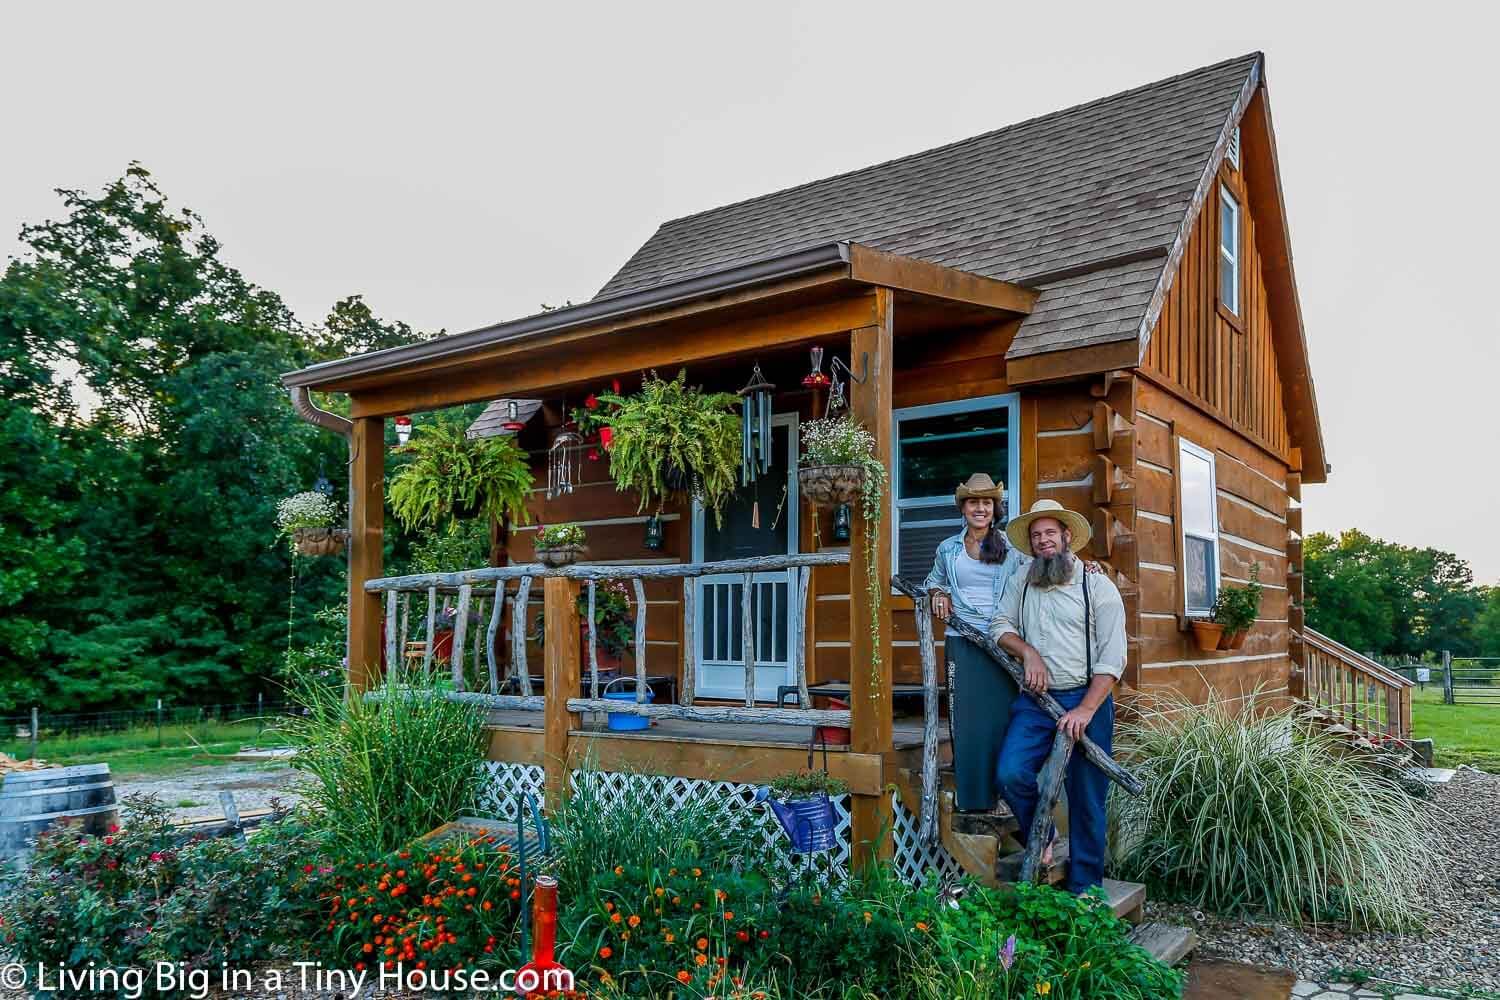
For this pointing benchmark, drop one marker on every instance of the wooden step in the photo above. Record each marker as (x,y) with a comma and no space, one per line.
(1126,899)
(1166,943)
(998,824)
(1008,867)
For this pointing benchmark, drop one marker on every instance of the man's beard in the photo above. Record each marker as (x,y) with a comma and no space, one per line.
(1050,571)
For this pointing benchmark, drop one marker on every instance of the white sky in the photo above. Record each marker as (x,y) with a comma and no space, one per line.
(460,164)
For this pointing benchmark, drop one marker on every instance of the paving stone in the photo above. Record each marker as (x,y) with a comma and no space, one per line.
(1416,996)
(1305,989)
(1330,995)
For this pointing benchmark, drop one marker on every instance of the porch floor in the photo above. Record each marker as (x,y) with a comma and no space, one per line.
(907,730)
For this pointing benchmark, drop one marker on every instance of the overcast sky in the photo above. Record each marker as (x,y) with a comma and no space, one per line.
(462,164)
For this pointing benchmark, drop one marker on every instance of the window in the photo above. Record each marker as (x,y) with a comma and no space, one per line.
(1233,154)
(937,447)
(1198,511)
(1229,251)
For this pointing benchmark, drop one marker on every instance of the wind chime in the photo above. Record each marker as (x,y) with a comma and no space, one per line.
(755,433)
(560,463)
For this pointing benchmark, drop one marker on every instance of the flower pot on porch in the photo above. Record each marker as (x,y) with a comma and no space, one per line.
(1233,640)
(559,555)
(320,541)
(833,736)
(1207,634)
(606,437)
(830,485)
(607,660)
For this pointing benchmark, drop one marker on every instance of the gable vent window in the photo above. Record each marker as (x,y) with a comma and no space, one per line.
(1229,251)
(1233,156)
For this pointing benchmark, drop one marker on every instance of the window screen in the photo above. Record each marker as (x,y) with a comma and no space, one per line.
(1229,251)
(1198,509)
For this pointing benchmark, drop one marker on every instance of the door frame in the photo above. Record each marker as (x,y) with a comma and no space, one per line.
(792,508)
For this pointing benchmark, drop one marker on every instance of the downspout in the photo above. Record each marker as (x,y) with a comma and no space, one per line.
(344,428)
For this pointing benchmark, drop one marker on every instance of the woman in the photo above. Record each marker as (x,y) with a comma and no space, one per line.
(967,578)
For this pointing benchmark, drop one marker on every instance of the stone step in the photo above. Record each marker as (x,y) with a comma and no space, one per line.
(1166,943)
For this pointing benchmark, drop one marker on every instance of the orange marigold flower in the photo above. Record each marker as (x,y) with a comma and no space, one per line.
(728,914)
(701,959)
(702,943)
(615,918)
(697,873)
(608,905)
(683,976)
(921,926)
(634,921)
(676,900)
(606,951)
(659,891)
(720,895)
(869,916)
(670,937)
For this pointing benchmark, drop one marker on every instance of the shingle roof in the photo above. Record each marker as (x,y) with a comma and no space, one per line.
(1085,204)
(487,424)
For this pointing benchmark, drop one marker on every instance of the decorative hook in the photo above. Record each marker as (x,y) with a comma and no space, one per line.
(864,357)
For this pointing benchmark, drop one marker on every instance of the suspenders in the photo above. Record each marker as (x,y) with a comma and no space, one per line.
(1088,631)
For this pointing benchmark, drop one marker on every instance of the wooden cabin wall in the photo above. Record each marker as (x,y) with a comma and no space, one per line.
(1252,504)
(1225,364)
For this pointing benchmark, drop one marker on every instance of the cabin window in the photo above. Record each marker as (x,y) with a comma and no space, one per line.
(1198,510)
(1229,251)
(937,447)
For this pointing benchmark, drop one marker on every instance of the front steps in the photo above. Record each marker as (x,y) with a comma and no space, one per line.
(988,846)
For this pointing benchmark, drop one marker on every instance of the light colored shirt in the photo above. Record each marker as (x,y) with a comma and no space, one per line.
(944,578)
(1051,622)
(976,581)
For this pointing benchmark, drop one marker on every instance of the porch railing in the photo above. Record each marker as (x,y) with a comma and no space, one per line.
(1353,690)
(488,586)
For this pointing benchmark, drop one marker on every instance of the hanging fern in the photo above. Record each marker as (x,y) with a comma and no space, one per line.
(449,469)
(669,425)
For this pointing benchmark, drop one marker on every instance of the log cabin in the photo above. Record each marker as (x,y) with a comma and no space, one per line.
(1097,306)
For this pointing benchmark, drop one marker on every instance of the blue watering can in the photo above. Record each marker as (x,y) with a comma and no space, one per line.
(808,822)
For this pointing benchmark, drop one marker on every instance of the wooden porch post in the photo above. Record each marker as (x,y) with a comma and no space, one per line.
(366,549)
(561,655)
(870,628)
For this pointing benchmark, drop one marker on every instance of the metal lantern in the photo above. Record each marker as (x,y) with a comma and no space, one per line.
(403,430)
(560,464)
(841,523)
(654,533)
(512,422)
(755,427)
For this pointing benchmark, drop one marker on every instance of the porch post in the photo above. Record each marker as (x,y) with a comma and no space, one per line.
(366,549)
(561,655)
(870,627)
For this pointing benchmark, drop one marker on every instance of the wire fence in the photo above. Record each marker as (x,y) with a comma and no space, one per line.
(23,732)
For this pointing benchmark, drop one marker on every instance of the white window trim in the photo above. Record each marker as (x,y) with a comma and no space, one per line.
(1230,256)
(1010,401)
(1184,446)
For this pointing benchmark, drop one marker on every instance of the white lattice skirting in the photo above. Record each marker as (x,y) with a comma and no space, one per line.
(498,798)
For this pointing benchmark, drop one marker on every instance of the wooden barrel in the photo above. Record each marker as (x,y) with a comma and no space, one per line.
(33,801)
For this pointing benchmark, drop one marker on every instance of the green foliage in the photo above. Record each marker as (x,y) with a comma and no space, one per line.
(672,426)
(458,545)
(388,767)
(553,535)
(1246,809)
(802,784)
(1236,608)
(449,470)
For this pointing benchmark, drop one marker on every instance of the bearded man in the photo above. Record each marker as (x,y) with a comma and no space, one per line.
(1067,627)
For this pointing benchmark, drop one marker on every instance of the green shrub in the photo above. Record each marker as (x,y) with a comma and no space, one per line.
(450,470)
(387,767)
(1250,809)
(458,545)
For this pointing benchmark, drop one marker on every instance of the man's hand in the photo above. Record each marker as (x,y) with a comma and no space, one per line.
(1036,671)
(1075,721)
(1089,566)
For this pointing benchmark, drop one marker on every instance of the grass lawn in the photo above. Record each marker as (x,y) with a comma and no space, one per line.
(1462,734)
(135,752)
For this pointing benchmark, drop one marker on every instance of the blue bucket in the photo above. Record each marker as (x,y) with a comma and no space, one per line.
(622,722)
(808,822)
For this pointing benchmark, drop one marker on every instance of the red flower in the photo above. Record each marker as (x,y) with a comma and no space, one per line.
(592,402)
(614,385)
(593,454)
(307,869)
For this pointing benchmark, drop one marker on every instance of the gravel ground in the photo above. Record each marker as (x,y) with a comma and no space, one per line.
(1460,949)
(254,786)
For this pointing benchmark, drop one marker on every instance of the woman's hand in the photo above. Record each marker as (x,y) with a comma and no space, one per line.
(942,605)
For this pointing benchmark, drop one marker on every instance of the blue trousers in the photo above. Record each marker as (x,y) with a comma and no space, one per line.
(1027,743)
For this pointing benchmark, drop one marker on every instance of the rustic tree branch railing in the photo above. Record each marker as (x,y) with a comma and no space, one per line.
(490,584)
(1355,691)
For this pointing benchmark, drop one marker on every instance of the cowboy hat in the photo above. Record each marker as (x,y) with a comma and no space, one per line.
(1019,528)
(979,485)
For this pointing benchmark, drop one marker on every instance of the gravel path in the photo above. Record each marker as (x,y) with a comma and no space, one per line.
(254,786)
(1460,949)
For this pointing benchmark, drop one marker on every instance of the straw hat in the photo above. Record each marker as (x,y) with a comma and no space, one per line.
(979,485)
(1019,528)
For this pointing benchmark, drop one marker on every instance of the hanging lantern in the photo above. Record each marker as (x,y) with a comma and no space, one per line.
(841,523)
(815,379)
(512,422)
(403,430)
(654,533)
(560,464)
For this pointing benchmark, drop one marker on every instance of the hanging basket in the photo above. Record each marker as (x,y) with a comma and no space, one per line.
(320,541)
(809,822)
(467,511)
(560,555)
(831,485)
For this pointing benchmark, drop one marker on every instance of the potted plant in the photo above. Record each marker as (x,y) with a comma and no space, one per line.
(803,803)
(1237,608)
(671,437)
(594,419)
(559,544)
(307,519)
(451,474)
(1207,633)
(838,463)
(614,625)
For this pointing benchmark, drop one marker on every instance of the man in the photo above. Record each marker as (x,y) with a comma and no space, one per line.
(1067,628)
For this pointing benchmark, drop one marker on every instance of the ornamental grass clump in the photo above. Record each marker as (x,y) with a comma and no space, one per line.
(1251,809)
(389,766)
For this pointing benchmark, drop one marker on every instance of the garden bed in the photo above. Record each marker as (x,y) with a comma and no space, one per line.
(1461,945)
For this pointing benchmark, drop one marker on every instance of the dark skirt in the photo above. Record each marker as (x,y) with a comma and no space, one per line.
(980,693)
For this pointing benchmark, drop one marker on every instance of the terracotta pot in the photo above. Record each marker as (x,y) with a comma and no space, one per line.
(1237,640)
(1207,634)
(830,485)
(560,555)
(320,541)
(607,660)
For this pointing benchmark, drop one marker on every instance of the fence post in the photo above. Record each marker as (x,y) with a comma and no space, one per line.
(34,720)
(260,717)
(1447,678)
(158,722)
